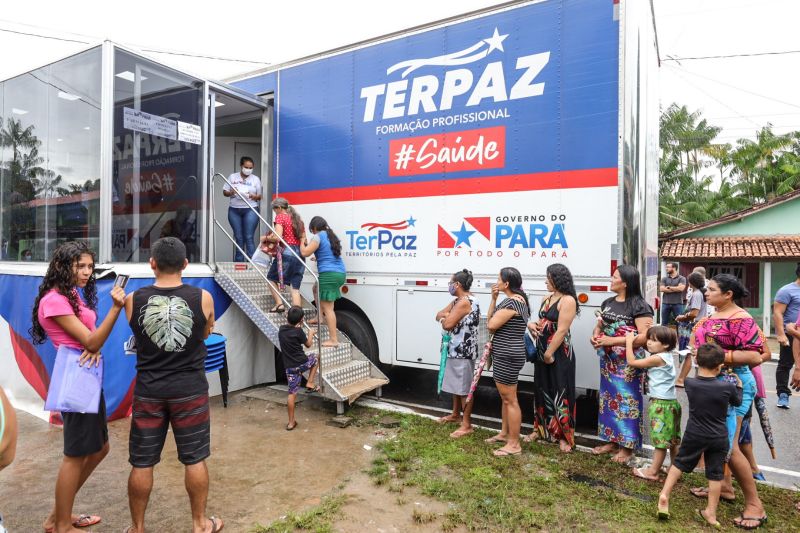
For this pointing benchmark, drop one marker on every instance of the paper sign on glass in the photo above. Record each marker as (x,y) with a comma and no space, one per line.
(189,133)
(74,388)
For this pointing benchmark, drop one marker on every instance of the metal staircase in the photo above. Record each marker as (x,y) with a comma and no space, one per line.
(345,373)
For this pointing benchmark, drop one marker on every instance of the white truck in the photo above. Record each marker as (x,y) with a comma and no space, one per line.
(521,135)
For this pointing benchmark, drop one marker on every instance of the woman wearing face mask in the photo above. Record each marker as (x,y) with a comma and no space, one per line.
(242,219)
(461,318)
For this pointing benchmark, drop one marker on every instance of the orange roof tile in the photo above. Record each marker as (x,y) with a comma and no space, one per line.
(768,247)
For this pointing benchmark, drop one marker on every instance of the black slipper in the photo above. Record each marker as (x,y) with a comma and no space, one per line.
(290,428)
(278,309)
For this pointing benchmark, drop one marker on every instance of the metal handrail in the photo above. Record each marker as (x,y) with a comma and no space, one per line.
(258,269)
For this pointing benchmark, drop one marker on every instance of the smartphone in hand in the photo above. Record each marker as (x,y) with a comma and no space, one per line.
(121,281)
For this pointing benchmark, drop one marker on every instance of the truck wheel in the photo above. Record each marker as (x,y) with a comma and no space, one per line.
(360,333)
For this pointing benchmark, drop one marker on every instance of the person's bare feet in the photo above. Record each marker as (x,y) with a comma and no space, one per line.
(564,446)
(330,344)
(609,447)
(663,507)
(448,418)
(711,519)
(507,450)
(645,473)
(460,432)
(702,492)
(531,437)
(496,438)
(622,456)
(50,522)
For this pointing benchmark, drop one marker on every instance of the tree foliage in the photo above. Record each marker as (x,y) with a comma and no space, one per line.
(701,180)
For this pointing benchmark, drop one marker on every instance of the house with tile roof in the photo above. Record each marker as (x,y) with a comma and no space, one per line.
(760,245)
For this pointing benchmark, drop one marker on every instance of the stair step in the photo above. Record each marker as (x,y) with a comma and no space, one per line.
(347,374)
(348,377)
(334,357)
(354,390)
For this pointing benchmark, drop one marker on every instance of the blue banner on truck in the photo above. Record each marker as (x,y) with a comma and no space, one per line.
(517,100)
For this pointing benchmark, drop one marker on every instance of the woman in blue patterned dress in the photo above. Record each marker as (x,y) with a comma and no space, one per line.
(621,387)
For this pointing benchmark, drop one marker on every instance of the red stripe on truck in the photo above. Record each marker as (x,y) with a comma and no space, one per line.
(567,179)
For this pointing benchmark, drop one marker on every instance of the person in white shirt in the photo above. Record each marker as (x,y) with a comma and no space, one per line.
(242,219)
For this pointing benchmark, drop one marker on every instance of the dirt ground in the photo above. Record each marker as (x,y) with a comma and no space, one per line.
(259,473)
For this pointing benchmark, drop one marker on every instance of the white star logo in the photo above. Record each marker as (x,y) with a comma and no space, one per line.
(495,42)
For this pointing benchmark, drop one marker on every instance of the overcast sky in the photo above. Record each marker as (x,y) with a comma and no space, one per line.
(738,94)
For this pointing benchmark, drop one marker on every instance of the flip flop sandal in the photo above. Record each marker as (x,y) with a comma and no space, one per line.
(86,520)
(494,440)
(291,428)
(663,515)
(278,309)
(637,472)
(214,528)
(702,517)
(702,492)
(742,518)
(310,390)
(503,453)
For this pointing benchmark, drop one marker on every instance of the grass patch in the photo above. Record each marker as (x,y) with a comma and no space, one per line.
(422,517)
(543,489)
(318,519)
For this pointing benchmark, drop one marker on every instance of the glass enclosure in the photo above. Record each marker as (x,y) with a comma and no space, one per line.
(111,148)
(157,176)
(50,157)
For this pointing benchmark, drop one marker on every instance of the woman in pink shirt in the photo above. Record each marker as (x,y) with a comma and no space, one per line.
(69,319)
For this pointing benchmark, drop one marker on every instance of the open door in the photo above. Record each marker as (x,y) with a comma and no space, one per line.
(237,126)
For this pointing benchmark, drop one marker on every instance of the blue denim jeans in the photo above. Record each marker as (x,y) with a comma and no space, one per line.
(669,312)
(243,222)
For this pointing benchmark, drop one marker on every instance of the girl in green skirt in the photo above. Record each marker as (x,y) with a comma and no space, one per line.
(327,249)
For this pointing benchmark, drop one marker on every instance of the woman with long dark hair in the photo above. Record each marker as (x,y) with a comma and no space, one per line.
(461,318)
(67,317)
(327,250)
(621,387)
(554,368)
(289,226)
(735,331)
(507,322)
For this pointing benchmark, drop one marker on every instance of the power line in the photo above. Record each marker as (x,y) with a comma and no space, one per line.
(152,50)
(739,88)
(44,36)
(731,56)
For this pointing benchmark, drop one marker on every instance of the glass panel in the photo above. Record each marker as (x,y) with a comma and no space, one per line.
(72,188)
(50,157)
(24,138)
(157,158)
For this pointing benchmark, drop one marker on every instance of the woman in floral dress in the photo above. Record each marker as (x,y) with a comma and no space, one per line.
(621,388)
(554,368)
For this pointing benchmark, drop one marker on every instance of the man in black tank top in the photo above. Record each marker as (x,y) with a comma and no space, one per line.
(170,321)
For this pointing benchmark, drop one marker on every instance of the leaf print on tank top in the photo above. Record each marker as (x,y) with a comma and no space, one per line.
(167,321)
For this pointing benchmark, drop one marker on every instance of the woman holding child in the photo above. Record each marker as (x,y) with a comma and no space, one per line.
(621,387)
(734,330)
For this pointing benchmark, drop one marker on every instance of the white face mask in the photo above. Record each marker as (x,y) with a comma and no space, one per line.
(247,171)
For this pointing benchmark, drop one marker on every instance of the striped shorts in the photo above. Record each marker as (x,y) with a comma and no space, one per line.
(191,425)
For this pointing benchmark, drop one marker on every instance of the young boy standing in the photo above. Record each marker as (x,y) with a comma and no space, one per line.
(706,432)
(664,409)
(292,338)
